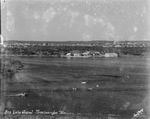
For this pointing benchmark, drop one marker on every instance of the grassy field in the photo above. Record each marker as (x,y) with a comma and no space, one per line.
(117,86)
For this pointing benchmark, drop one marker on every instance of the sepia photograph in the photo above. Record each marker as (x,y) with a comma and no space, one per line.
(75,59)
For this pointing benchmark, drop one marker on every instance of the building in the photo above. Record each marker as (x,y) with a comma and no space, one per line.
(111,55)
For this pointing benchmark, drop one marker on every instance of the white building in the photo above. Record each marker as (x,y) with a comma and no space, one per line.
(111,55)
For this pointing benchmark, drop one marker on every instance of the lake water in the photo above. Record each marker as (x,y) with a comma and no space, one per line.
(81,85)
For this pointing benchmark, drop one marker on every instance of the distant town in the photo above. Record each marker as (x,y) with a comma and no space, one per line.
(76,48)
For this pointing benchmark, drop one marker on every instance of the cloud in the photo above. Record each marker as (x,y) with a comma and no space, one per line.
(96,24)
(10,22)
(93,20)
(69,25)
(49,14)
(87,36)
(135,29)
(74,15)
(87,26)
(27,12)
(101,22)
(36,16)
(109,31)
(86,17)
(110,28)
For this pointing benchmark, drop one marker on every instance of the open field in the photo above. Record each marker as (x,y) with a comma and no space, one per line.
(99,86)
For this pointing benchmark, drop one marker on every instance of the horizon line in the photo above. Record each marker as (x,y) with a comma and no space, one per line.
(72,41)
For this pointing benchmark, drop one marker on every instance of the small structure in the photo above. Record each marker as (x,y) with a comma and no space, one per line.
(96,53)
(111,55)
(87,53)
(68,54)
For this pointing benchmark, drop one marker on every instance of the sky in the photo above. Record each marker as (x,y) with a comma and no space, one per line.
(77,20)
